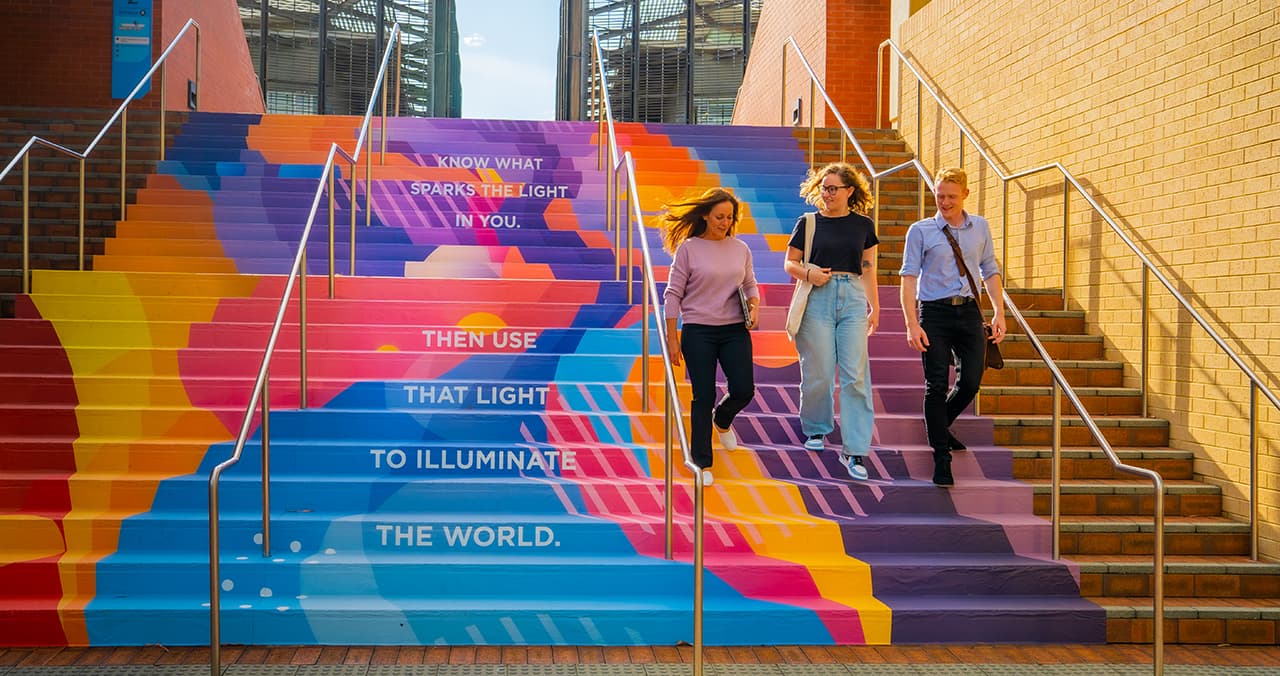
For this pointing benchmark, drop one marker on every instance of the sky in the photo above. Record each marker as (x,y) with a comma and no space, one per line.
(508,56)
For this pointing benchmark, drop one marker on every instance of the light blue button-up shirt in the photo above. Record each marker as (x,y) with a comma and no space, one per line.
(928,256)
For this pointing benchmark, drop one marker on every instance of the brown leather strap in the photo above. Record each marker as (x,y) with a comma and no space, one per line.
(964,269)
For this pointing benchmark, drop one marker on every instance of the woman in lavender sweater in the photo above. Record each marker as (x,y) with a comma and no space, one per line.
(709,270)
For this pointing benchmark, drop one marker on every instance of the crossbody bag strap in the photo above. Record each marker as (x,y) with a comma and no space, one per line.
(810,224)
(964,269)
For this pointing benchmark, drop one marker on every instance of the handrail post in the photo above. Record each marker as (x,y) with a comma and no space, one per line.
(399,63)
(302,329)
(1157,580)
(80,228)
(1066,239)
(813,95)
(1145,355)
(668,478)
(699,507)
(1004,226)
(382,155)
(1253,471)
(782,104)
(879,83)
(1055,472)
(875,199)
(266,465)
(644,343)
(621,199)
(124,143)
(351,250)
(26,222)
(368,190)
(164,81)
(332,204)
(215,593)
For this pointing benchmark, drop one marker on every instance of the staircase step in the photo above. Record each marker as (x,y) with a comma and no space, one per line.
(1031,463)
(1196,621)
(1131,497)
(1184,536)
(1185,577)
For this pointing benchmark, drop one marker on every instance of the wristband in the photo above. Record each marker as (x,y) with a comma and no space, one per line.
(806,274)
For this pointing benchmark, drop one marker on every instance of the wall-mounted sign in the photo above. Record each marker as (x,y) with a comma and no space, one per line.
(130,46)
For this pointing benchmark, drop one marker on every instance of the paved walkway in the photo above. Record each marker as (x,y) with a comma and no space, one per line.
(995,660)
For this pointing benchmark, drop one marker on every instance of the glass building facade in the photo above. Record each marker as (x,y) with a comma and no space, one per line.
(676,61)
(322,56)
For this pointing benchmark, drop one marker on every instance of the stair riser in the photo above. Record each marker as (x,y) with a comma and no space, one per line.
(1132,505)
(1180,585)
(1140,544)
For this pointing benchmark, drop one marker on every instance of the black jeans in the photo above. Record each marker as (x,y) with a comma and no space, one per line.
(703,346)
(951,330)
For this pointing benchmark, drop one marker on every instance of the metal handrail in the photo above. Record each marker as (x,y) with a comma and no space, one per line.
(120,114)
(624,167)
(1149,269)
(297,273)
(1060,382)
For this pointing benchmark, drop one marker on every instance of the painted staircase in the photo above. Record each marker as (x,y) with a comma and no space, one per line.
(474,467)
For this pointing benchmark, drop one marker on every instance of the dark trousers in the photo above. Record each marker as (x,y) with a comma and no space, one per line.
(703,347)
(955,336)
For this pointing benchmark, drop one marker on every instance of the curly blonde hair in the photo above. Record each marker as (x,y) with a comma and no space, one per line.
(859,200)
(689,218)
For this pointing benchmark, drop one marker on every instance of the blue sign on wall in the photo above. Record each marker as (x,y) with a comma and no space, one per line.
(130,46)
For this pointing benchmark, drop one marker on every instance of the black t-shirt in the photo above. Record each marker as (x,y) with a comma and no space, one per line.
(838,243)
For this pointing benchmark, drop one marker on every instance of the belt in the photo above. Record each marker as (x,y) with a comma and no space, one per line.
(951,300)
(842,272)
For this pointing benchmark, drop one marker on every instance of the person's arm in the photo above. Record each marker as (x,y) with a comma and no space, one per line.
(812,274)
(995,290)
(673,341)
(752,291)
(916,337)
(871,287)
(677,276)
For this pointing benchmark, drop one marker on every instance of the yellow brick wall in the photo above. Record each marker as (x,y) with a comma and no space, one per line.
(1168,114)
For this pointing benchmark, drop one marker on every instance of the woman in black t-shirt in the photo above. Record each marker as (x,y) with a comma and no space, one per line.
(842,312)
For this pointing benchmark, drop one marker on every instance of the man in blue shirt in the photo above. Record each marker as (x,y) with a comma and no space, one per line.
(944,322)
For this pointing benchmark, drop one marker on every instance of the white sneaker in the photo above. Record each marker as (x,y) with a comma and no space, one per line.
(815,443)
(857,470)
(707,479)
(728,440)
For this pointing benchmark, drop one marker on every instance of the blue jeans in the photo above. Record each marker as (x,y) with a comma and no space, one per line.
(703,347)
(955,336)
(833,338)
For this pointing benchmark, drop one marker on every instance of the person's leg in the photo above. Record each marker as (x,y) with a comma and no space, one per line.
(969,343)
(857,408)
(937,322)
(816,345)
(739,374)
(699,352)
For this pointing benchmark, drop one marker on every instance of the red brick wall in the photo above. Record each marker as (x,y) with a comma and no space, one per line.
(57,53)
(838,37)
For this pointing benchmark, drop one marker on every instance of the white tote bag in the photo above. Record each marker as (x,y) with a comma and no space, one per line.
(800,294)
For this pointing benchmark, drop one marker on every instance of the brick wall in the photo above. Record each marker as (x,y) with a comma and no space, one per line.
(57,53)
(838,37)
(1168,113)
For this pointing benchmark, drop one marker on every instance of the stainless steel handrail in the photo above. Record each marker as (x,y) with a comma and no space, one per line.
(120,114)
(1149,269)
(1060,382)
(297,273)
(624,167)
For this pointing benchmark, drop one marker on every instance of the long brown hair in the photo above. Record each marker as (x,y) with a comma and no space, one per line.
(689,218)
(859,200)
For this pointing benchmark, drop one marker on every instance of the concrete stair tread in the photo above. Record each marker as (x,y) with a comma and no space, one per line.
(1145,524)
(1122,486)
(1180,564)
(1194,607)
(1073,420)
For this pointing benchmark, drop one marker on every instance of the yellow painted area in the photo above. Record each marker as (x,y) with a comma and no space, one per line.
(145,355)
(482,323)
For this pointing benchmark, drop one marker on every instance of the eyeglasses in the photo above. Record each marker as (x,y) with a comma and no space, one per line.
(829,189)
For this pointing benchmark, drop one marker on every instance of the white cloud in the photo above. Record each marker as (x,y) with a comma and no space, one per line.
(474,40)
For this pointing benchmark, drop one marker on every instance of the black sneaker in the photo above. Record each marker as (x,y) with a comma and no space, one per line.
(942,470)
(954,444)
